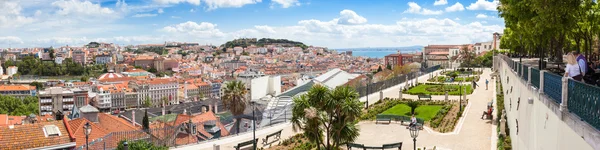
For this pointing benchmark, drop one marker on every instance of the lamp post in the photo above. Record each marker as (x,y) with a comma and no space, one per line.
(253,125)
(125,145)
(87,130)
(414,133)
(521,46)
(369,82)
(460,96)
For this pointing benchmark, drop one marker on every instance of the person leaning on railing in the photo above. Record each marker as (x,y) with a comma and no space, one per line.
(572,68)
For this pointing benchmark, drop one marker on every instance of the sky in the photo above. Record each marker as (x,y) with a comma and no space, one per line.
(326,23)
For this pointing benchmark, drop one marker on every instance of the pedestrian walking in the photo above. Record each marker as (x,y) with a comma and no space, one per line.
(486,84)
(475,85)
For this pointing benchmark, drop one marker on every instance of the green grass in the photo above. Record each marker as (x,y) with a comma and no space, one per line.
(436,89)
(425,112)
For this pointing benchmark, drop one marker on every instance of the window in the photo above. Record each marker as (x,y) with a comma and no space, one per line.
(51,130)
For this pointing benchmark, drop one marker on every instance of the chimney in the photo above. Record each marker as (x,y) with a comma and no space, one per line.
(209,108)
(133,118)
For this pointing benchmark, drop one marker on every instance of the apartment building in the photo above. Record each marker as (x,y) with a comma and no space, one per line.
(156,90)
(19,91)
(58,99)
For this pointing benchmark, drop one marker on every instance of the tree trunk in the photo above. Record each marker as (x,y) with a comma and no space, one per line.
(237,126)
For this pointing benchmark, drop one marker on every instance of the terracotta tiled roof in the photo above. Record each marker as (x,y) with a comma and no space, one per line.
(16,87)
(76,126)
(32,136)
(114,124)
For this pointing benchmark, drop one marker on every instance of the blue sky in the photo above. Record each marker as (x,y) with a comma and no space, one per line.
(329,23)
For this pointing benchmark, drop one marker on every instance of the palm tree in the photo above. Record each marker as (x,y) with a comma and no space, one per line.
(326,116)
(234,98)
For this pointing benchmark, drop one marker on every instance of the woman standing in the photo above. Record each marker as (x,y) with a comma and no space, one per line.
(572,70)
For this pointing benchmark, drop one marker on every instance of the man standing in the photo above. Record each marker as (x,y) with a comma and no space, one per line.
(581,61)
(486,84)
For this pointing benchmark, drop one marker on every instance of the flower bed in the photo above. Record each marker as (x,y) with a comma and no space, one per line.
(439,89)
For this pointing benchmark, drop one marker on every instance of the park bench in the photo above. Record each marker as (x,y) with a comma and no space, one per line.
(246,143)
(424,96)
(350,146)
(380,117)
(276,135)
(393,145)
(354,145)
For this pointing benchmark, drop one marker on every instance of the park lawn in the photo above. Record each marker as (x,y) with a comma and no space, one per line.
(435,89)
(425,112)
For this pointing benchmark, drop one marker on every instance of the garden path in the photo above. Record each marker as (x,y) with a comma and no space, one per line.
(471,131)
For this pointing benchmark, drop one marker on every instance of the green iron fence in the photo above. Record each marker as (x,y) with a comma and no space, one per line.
(525,73)
(584,101)
(553,86)
(535,77)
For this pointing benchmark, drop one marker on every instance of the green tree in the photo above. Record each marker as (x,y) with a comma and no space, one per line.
(51,53)
(328,117)
(152,70)
(38,86)
(147,102)
(234,98)
(146,121)
(18,107)
(389,67)
(140,145)
(379,69)
(413,105)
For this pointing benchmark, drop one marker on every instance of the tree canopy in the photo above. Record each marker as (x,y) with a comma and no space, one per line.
(33,66)
(549,27)
(16,107)
(328,117)
(245,42)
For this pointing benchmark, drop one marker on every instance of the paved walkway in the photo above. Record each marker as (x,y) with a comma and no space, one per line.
(370,130)
(471,133)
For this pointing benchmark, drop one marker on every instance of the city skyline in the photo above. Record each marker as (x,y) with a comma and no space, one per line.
(333,24)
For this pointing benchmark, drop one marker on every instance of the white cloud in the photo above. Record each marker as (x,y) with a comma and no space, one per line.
(82,8)
(456,18)
(214,4)
(266,29)
(414,8)
(175,17)
(144,15)
(481,16)
(160,11)
(350,17)
(194,2)
(10,40)
(11,16)
(286,3)
(484,5)
(455,7)
(440,2)
(202,30)
(192,10)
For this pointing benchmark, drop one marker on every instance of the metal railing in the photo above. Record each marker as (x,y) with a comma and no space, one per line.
(581,99)
(525,75)
(584,101)
(535,77)
(378,86)
(553,86)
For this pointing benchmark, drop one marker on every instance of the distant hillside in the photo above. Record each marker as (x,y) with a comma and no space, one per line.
(245,42)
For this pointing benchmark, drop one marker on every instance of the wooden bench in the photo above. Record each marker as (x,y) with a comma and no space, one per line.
(243,144)
(351,146)
(393,145)
(277,136)
(354,145)
(424,96)
(380,117)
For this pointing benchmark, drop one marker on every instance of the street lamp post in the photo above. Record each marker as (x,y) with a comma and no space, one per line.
(521,43)
(369,82)
(414,133)
(253,125)
(87,131)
